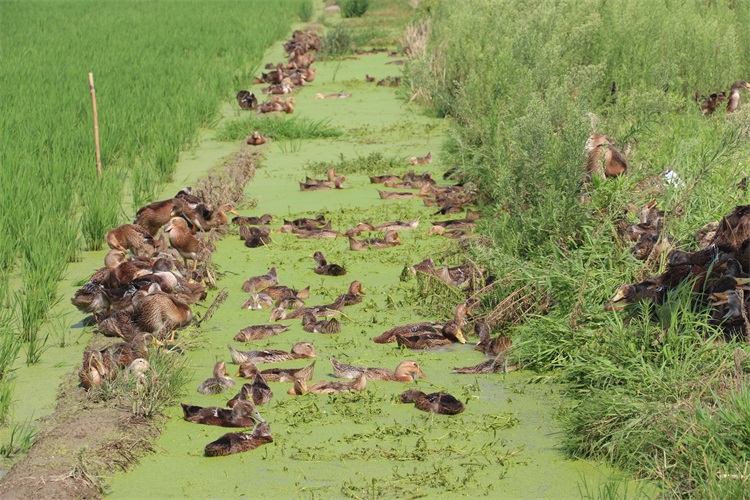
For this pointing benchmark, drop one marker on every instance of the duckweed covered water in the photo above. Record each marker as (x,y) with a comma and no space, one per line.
(363,444)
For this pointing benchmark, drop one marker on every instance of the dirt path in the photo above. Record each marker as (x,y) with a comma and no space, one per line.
(363,444)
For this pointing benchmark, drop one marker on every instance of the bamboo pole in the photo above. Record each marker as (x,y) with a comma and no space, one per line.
(96,127)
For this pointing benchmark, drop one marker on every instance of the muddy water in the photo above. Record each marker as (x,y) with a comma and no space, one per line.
(506,443)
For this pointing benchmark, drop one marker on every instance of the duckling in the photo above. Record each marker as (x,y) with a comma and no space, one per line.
(326,269)
(734,95)
(238,442)
(311,324)
(220,382)
(258,332)
(390,239)
(132,237)
(437,402)
(248,370)
(258,392)
(327,387)
(244,414)
(299,350)
(258,301)
(406,371)
(499,345)
(256,139)
(183,241)
(257,283)
(421,160)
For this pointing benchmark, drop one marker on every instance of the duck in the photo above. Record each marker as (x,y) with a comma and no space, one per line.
(104,365)
(499,345)
(239,442)
(300,350)
(338,183)
(733,101)
(248,371)
(380,179)
(155,215)
(259,332)
(132,237)
(318,221)
(248,232)
(281,291)
(390,239)
(406,330)
(258,301)
(311,324)
(334,309)
(398,195)
(220,382)
(332,96)
(263,220)
(91,297)
(398,225)
(494,365)
(602,158)
(406,371)
(258,392)
(328,387)
(244,414)
(455,234)
(434,333)
(255,139)
(183,241)
(437,402)
(117,324)
(421,160)
(352,296)
(257,283)
(428,340)
(247,100)
(157,310)
(326,269)
(218,217)
(322,233)
(191,208)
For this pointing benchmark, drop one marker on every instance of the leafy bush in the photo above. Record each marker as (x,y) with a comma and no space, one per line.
(354,8)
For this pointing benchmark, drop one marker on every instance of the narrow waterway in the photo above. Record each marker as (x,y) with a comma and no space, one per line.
(506,443)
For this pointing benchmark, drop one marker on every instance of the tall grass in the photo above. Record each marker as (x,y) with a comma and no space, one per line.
(278,128)
(652,389)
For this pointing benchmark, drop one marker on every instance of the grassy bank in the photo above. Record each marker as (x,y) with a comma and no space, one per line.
(652,391)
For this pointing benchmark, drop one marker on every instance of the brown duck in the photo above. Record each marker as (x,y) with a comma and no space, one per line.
(248,371)
(406,371)
(257,283)
(259,332)
(132,237)
(256,139)
(326,387)
(326,269)
(311,324)
(243,414)
(220,382)
(238,442)
(437,402)
(153,216)
(258,392)
(183,240)
(499,345)
(390,239)
(299,350)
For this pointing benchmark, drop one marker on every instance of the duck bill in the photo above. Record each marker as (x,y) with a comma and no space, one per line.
(257,416)
(742,281)
(460,337)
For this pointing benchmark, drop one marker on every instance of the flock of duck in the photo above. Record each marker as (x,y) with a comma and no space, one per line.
(144,292)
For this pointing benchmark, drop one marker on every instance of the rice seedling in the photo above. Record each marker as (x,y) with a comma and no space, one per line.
(20,440)
(6,398)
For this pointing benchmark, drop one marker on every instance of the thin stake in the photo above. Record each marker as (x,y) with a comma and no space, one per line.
(96,127)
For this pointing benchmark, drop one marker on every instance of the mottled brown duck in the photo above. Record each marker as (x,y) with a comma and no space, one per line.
(157,310)
(311,324)
(499,345)
(300,350)
(255,139)
(258,392)
(220,382)
(437,402)
(153,216)
(259,332)
(734,95)
(257,283)
(182,240)
(390,239)
(244,414)
(326,269)
(239,442)
(258,301)
(132,237)
(248,371)
(406,371)
(328,387)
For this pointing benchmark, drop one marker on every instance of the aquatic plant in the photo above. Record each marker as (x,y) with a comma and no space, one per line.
(21,438)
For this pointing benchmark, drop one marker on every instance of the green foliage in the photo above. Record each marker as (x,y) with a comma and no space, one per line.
(278,128)
(354,8)
(338,41)
(374,163)
(655,390)
(305,10)
(22,437)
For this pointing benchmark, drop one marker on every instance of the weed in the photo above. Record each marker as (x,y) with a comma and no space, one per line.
(22,437)
(354,8)
(305,10)
(337,42)
(278,128)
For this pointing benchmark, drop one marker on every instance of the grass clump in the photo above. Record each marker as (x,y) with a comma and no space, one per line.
(338,41)
(305,10)
(278,129)
(353,8)
(374,163)
(20,440)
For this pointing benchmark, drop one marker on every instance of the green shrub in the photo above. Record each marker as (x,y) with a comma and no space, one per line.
(354,8)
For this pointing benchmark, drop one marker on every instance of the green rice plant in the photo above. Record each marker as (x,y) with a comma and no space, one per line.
(278,128)
(305,10)
(6,399)
(101,205)
(22,437)
(353,8)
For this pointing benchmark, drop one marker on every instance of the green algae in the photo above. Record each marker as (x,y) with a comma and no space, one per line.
(364,444)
